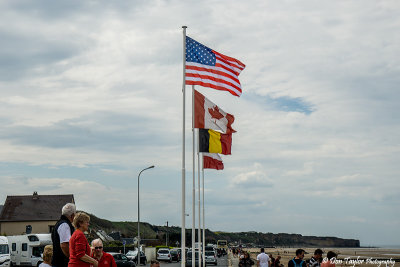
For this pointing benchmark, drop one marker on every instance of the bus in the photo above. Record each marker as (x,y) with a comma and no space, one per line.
(222,244)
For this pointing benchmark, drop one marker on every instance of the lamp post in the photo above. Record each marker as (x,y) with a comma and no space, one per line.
(166,236)
(138,211)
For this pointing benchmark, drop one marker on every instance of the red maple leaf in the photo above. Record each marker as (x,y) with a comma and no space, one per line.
(215,114)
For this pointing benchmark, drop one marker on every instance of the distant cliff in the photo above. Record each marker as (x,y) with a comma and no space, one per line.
(283,239)
(256,239)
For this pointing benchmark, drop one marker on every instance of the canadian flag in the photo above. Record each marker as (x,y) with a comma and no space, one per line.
(207,115)
(212,161)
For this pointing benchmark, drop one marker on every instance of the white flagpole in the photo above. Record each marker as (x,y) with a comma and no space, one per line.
(183,228)
(199,188)
(193,188)
(204,229)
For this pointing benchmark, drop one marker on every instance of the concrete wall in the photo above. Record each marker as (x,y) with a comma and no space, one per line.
(19,228)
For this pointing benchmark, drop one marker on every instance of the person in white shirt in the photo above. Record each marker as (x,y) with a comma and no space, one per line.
(262,259)
(61,234)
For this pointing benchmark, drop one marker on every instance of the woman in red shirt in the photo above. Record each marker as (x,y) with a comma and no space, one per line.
(79,249)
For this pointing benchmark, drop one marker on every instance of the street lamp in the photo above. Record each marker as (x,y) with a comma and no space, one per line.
(166,236)
(138,211)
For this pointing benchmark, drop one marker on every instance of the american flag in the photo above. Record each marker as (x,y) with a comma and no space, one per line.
(209,68)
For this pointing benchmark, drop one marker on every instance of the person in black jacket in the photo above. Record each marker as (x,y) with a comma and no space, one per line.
(61,234)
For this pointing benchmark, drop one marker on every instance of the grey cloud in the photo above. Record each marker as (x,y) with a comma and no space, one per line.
(122,131)
(389,199)
(61,10)
(228,200)
(20,55)
(45,9)
(284,103)
(258,184)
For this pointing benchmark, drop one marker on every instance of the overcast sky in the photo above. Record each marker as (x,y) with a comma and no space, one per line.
(90,94)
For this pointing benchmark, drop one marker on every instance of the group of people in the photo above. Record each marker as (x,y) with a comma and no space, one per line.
(71,248)
(264,260)
(315,261)
(221,252)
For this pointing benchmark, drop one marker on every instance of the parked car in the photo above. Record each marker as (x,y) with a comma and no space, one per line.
(132,255)
(210,248)
(179,252)
(175,255)
(211,257)
(189,258)
(122,261)
(164,254)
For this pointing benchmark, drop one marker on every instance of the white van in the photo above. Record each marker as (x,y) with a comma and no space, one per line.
(27,250)
(4,252)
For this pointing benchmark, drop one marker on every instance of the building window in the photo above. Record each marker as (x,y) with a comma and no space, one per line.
(51,228)
(24,247)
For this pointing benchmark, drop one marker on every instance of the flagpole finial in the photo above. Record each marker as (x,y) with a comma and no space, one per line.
(184,27)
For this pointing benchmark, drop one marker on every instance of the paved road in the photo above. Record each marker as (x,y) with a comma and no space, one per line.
(221,262)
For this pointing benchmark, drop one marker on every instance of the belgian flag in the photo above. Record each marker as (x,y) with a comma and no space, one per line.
(214,142)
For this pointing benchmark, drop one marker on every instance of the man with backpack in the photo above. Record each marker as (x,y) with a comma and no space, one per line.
(298,260)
